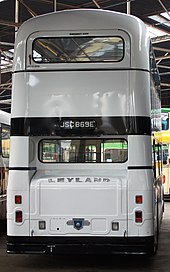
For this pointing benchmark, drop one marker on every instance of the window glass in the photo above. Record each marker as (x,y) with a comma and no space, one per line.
(165,153)
(83,150)
(154,70)
(157,159)
(165,120)
(5,141)
(78,49)
(114,151)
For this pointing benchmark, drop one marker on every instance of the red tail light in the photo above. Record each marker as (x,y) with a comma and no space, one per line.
(18,216)
(138,216)
(18,199)
(139,199)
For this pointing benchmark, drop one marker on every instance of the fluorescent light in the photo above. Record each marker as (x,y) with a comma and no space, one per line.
(167,18)
(166,15)
(164,19)
(157,18)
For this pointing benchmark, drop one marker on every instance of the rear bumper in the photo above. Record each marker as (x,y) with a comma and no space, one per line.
(80,245)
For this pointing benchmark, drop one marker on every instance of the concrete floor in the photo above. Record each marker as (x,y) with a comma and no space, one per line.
(31,263)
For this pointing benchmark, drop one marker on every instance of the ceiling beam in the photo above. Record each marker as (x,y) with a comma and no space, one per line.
(5,85)
(163,66)
(5,101)
(96,4)
(165,84)
(9,23)
(33,14)
(58,4)
(163,57)
(7,44)
(165,38)
(118,4)
(6,70)
(164,8)
(161,49)
(164,74)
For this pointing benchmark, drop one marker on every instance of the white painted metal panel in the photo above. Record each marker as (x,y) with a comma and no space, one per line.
(97,202)
(143,150)
(21,144)
(73,92)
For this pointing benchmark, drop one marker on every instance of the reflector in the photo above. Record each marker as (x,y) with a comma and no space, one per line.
(42,225)
(18,216)
(138,216)
(115,226)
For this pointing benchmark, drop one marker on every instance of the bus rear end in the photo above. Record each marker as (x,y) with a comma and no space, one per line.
(81,180)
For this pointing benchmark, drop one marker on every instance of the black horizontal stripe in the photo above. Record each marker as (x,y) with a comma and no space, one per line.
(39,70)
(53,126)
(140,167)
(22,168)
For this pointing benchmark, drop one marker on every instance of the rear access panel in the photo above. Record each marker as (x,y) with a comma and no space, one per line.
(84,206)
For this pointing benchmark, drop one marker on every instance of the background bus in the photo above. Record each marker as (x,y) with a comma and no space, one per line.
(4,161)
(165,114)
(84,98)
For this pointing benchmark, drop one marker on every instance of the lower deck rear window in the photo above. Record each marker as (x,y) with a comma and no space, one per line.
(83,151)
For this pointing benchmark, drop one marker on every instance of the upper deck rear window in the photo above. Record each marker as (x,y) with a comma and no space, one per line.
(78,49)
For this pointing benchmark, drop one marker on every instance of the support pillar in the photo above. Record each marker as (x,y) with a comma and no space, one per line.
(128,7)
(16,15)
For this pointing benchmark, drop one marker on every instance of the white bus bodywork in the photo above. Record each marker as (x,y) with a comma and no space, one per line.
(85,206)
(4,161)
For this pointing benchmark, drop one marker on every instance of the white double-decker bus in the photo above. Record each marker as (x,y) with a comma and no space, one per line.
(83,177)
